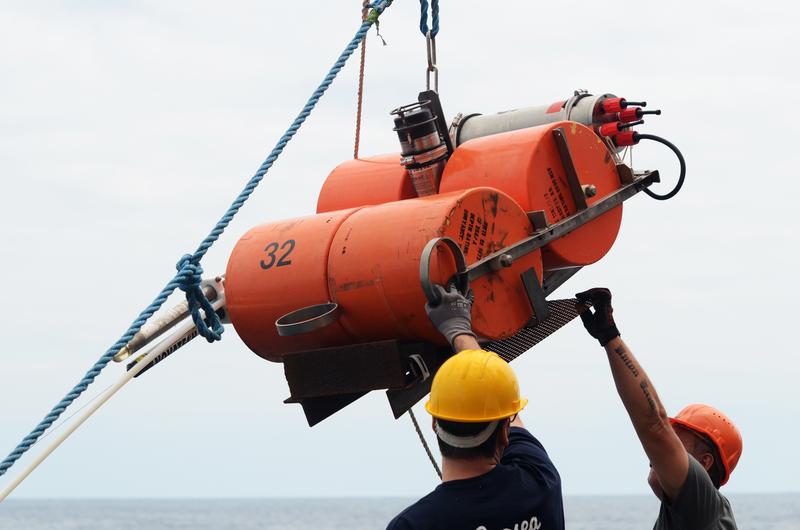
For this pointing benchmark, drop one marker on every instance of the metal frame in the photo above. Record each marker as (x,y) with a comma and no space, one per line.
(307,319)
(555,279)
(563,227)
(432,97)
(326,380)
(460,277)
(574,182)
(536,295)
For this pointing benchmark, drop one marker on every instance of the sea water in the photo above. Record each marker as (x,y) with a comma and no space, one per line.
(762,512)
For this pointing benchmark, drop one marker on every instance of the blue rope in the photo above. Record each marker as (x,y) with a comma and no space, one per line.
(423,18)
(189,270)
(197,300)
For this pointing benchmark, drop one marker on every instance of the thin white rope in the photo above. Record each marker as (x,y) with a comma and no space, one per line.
(185,328)
(65,420)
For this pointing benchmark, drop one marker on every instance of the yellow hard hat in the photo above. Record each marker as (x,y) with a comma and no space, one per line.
(475,386)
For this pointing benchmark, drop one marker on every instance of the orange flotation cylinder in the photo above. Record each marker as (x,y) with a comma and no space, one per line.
(526,165)
(276,268)
(367,261)
(365,181)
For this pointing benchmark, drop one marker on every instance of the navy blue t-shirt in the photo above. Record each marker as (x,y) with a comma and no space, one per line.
(523,492)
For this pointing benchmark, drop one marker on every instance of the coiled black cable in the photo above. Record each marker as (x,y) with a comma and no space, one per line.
(682,175)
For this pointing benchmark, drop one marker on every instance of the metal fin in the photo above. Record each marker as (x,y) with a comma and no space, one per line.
(561,313)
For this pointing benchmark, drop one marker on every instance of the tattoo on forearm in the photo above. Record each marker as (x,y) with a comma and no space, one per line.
(648,396)
(620,351)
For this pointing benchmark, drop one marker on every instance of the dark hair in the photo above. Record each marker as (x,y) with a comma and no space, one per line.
(485,450)
(717,470)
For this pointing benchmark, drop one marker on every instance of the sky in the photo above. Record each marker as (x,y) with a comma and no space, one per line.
(126,128)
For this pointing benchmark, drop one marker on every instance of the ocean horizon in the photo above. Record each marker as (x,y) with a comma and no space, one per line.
(776,511)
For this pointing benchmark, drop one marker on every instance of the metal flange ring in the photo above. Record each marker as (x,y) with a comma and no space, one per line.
(307,319)
(460,278)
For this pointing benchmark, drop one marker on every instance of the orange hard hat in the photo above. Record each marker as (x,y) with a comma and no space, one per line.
(708,421)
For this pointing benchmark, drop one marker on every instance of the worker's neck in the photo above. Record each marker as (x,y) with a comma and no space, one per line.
(457,469)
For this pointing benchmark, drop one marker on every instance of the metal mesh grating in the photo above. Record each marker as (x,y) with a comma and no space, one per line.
(561,312)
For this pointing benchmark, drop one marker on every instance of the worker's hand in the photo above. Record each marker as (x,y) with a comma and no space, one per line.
(600,322)
(451,315)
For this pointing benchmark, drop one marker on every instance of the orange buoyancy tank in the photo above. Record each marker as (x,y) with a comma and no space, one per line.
(276,268)
(365,181)
(374,264)
(526,165)
(368,262)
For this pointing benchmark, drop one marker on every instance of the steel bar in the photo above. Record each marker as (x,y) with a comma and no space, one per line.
(563,227)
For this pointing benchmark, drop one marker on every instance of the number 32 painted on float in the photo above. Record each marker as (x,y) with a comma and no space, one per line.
(272,248)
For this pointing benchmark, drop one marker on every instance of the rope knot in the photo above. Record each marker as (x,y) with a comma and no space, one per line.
(377,8)
(189,277)
(190,274)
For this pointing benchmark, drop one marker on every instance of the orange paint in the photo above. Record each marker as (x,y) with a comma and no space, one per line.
(365,181)
(367,261)
(374,264)
(525,164)
(257,296)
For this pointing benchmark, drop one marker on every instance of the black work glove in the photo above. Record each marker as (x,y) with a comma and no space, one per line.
(451,315)
(600,323)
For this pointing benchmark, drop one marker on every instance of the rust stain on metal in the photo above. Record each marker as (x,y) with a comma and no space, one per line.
(494,199)
(440,231)
(349,286)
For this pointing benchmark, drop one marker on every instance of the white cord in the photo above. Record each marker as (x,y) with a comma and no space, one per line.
(184,328)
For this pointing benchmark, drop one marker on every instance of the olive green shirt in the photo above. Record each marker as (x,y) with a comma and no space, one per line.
(698,505)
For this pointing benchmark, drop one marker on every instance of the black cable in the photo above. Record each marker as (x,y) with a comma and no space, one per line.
(682,175)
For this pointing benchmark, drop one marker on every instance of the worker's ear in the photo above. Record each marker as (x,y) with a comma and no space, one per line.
(502,436)
(706,460)
(433,423)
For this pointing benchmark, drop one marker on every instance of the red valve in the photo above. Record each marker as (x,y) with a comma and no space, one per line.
(630,114)
(617,104)
(610,129)
(626,138)
(613,104)
(635,113)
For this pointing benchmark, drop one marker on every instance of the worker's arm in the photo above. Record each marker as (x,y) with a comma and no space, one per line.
(452,319)
(465,342)
(648,416)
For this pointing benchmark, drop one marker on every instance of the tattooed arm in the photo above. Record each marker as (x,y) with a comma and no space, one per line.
(667,454)
(649,418)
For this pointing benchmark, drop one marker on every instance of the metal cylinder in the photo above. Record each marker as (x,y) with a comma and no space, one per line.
(581,107)
(365,181)
(526,164)
(366,262)
(422,148)
(277,268)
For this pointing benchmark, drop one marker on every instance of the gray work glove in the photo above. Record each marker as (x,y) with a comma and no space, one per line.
(451,315)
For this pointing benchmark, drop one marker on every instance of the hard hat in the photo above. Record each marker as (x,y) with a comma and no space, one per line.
(474,386)
(710,422)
